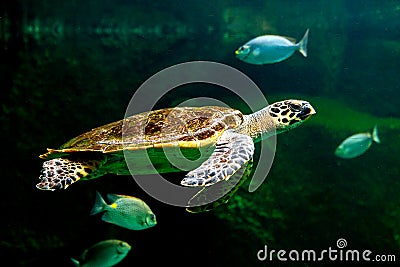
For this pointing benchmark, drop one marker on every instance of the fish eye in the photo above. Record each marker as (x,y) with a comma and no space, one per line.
(122,244)
(295,107)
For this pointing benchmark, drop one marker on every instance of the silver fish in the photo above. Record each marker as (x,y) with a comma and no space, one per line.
(269,49)
(103,254)
(357,144)
(125,211)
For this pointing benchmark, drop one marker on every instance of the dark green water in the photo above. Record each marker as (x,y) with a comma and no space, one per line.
(70,66)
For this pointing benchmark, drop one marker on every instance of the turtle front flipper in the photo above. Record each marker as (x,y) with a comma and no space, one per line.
(211,197)
(59,173)
(232,151)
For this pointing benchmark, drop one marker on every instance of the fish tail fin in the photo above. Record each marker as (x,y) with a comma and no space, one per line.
(375,136)
(99,204)
(303,44)
(75,262)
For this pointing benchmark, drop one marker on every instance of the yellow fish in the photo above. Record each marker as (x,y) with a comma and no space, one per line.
(125,211)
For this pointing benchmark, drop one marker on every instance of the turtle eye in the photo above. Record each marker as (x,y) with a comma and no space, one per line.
(295,107)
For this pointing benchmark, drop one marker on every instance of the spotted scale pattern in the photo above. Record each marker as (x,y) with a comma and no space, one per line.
(232,151)
(60,173)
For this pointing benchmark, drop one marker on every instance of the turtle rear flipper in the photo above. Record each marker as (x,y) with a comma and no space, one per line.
(59,173)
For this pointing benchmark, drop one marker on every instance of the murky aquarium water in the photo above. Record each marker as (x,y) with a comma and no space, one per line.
(274,136)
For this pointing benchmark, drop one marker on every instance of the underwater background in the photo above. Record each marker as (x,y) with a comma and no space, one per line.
(70,66)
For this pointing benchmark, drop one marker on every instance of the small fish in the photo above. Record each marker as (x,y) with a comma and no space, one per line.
(125,211)
(103,254)
(269,49)
(357,144)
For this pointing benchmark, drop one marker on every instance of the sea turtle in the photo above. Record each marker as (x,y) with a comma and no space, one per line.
(228,135)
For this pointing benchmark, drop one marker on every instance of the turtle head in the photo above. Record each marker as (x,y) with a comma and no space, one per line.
(289,114)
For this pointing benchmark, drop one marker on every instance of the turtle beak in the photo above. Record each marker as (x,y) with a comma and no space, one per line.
(306,111)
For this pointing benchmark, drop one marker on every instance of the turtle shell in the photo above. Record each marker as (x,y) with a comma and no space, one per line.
(183,127)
